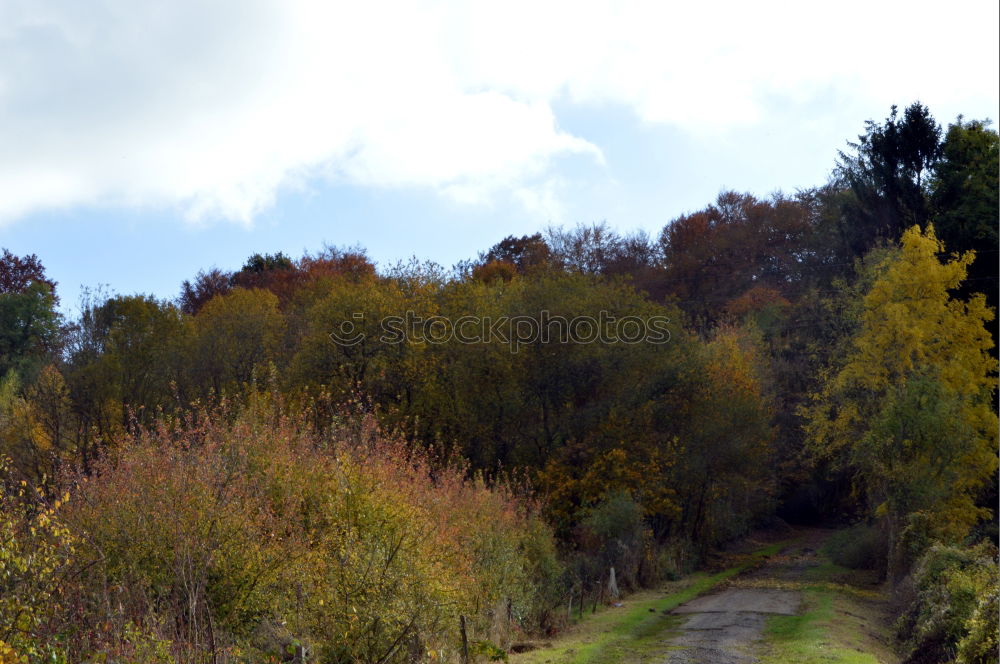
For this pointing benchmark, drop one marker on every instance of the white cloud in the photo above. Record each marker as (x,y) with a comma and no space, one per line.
(217,106)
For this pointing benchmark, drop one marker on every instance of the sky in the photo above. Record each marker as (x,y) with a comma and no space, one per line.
(143,141)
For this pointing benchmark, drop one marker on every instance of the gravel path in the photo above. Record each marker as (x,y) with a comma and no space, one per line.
(722,627)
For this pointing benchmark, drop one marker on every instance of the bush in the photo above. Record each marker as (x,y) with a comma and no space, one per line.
(673,559)
(954,588)
(616,532)
(980,644)
(35,553)
(242,535)
(859,547)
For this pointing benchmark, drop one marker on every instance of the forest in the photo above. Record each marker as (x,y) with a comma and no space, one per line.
(310,454)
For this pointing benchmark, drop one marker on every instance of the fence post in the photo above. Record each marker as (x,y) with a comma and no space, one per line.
(465,642)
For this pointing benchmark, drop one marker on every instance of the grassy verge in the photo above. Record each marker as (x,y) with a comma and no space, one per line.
(833,630)
(841,624)
(634,632)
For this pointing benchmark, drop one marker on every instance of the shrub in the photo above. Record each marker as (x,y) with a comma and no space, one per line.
(859,547)
(245,534)
(35,552)
(616,532)
(980,644)
(953,588)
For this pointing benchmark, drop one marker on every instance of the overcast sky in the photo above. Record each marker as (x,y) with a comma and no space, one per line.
(141,141)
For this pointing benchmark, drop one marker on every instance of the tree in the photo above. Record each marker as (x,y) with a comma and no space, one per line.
(263,270)
(126,352)
(524,253)
(235,334)
(716,255)
(723,473)
(600,250)
(344,347)
(206,286)
(19,272)
(966,204)
(909,409)
(35,551)
(29,329)
(29,322)
(887,173)
(36,427)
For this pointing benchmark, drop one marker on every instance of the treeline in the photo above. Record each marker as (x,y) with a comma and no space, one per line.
(823,355)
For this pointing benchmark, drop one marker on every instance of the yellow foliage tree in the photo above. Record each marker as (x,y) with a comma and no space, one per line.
(36,424)
(235,334)
(35,550)
(910,408)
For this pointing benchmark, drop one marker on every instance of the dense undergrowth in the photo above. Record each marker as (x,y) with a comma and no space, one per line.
(241,537)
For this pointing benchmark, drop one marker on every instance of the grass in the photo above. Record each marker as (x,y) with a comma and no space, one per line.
(830,631)
(840,625)
(635,631)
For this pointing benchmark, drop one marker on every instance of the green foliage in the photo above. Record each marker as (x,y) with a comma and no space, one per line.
(966,202)
(618,534)
(859,547)
(29,328)
(124,356)
(525,253)
(955,589)
(964,194)
(887,172)
(488,650)
(981,642)
(266,262)
(36,424)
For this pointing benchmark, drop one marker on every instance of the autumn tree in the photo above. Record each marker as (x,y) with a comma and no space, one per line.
(19,272)
(235,335)
(714,256)
(125,352)
(206,285)
(524,253)
(909,407)
(345,347)
(724,471)
(37,427)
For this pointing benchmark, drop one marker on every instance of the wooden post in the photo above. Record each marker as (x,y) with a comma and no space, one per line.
(465,642)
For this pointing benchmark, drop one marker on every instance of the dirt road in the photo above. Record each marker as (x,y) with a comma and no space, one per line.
(721,628)
(725,626)
(773,598)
